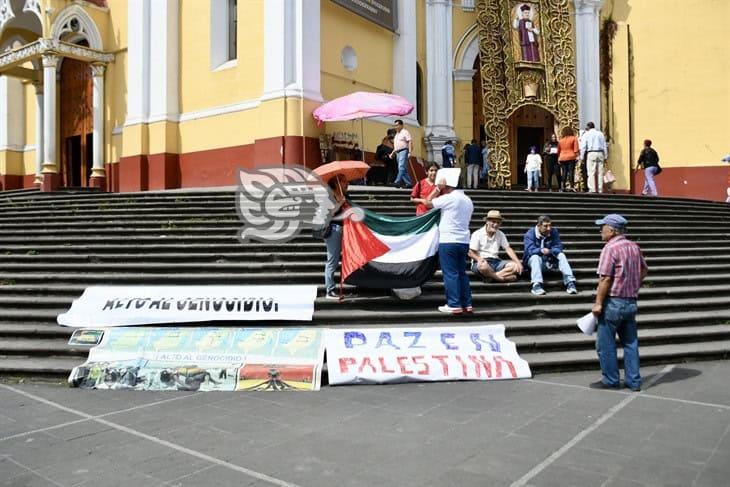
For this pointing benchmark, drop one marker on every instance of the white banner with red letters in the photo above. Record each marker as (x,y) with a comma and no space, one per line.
(385,355)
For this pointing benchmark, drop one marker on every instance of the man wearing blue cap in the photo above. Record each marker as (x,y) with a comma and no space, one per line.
(621,270)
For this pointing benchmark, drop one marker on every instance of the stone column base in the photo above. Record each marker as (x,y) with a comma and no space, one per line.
(434,144)
(51,181)
(98,182)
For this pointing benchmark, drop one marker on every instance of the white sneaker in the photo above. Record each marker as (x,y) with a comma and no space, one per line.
(448,309)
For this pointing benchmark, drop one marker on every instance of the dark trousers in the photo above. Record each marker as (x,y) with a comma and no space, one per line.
(567,168)
(553,168)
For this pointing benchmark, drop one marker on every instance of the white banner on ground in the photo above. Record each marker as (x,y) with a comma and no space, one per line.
(383,355)
(102,306)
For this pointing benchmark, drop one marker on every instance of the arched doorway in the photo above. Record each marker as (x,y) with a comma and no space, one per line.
(528,126)
(76,122)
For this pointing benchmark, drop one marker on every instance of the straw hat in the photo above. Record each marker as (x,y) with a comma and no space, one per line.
(493,215)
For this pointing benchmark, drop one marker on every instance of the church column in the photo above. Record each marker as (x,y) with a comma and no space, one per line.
(51,178)
(292,84)
(440,119)
(98,173)
(404,58)
(38,133)
(588,55)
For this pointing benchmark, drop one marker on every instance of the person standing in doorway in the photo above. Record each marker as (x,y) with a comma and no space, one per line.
(402,148)
(473,160)
(621,271)
(533,169)
(567,157)
(456,210)
(593,149)
(649,160)
(550,154)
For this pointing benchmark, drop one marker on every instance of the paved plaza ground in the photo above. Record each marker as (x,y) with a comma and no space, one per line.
(548,431)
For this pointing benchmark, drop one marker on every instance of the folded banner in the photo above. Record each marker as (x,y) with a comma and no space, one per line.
(205,359)
(102,306)
(386,252)
(372,355)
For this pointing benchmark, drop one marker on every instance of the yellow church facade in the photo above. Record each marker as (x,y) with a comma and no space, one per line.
(135,95)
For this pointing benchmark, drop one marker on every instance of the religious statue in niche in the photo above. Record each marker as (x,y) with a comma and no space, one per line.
(526,32)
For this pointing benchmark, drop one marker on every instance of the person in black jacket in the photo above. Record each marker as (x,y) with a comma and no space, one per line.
(649,160)
(550,156)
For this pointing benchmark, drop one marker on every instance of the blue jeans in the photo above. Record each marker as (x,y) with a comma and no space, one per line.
(453,266)
(533,179)
(649,184)
(403,177)
(619,316)
(538,265)
(334,248)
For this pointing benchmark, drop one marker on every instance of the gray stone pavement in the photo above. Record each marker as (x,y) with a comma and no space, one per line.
(548,431)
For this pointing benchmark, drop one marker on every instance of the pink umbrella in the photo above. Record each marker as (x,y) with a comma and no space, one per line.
(362,104)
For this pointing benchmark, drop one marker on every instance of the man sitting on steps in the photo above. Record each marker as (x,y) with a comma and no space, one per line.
(484,251)
(544,251)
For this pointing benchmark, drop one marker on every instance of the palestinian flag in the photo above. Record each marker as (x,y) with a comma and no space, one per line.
(388,252)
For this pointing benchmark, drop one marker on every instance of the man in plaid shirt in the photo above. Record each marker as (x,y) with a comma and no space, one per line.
(621,270)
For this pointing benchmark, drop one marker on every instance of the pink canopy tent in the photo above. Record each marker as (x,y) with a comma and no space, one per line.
(360,105)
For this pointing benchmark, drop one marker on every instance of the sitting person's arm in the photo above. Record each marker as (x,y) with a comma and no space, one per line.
(513,257)
(556,246)
(474,255)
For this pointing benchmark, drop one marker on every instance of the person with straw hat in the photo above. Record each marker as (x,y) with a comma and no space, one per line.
(484,249)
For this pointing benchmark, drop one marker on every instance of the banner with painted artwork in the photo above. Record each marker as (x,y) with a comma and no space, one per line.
(386,355)
(204,359)
(103,306)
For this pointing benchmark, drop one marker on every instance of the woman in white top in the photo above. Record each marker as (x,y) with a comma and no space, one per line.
(533,168)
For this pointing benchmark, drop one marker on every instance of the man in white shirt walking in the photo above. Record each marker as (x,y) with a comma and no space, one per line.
(593,148)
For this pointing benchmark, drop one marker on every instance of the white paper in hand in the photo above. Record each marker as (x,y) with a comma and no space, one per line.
(587,324)
(450,174)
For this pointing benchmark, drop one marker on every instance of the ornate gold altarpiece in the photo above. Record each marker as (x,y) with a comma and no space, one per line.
(510,82)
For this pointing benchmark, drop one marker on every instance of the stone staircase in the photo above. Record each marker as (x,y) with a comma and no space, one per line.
(53,245)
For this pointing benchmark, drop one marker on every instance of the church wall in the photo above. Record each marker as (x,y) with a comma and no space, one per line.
(678,70)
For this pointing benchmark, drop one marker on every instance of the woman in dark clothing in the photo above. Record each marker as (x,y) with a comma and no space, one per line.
(649,160)
(550,156)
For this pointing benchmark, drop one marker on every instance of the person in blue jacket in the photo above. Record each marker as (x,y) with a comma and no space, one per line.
(544,251)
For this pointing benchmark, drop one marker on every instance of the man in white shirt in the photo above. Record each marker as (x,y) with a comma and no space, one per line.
(484,251)
(456,210)
(593,148)
(402,147)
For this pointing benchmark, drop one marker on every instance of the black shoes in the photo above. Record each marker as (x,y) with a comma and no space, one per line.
(603,385)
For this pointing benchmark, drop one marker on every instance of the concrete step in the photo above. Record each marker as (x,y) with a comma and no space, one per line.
(653,354)
(37,367)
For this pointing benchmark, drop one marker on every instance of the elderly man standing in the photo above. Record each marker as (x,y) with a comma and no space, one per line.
(544,251)
(593,149)
(621,270)
(456,210)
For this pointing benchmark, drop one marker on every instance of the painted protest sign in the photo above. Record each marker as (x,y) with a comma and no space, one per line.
(204,359)
(103,306)
(375,355)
